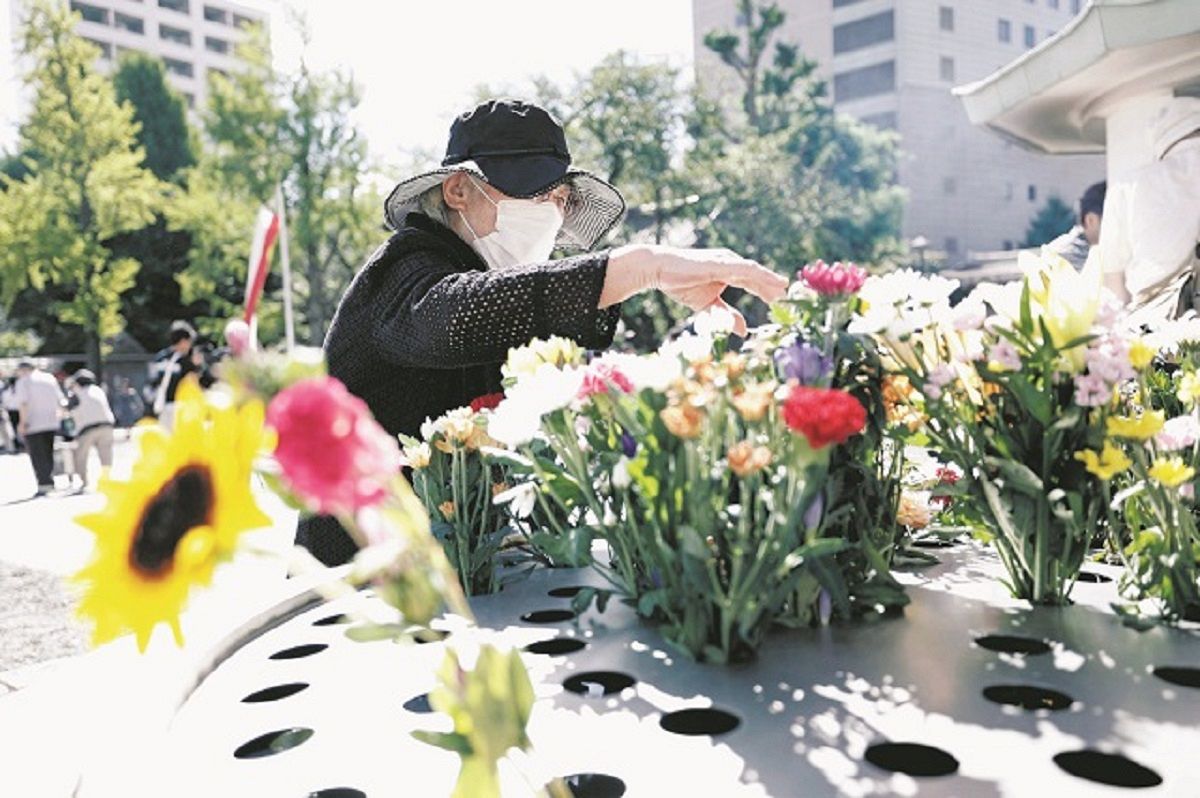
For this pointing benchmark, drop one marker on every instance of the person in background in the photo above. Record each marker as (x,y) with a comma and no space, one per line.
(127,406)
(1076,244)
(8,431)
(1148,248)
(93,424)
(11,411)
(170,366)
(40,402)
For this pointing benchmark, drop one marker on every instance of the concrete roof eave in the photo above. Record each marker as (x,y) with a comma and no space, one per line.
(1052,98)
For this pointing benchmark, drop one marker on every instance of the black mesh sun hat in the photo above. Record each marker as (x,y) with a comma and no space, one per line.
(521,150)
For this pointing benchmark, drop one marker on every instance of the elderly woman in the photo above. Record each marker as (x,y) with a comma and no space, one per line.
(427,322)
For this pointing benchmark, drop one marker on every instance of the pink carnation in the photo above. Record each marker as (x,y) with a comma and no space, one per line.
(838,279)
(599,377)
(332,452)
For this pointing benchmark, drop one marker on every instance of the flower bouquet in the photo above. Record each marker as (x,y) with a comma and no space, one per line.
(703,481)
(1020,396)
(457,484)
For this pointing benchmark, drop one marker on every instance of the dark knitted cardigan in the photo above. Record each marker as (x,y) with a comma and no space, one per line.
(425,325)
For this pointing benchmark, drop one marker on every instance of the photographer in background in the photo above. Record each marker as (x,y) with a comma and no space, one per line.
(171,365)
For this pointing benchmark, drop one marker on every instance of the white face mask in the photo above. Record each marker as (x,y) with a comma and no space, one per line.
(525,231)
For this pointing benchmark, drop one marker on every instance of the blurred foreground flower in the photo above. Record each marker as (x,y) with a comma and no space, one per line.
(331,451)
(180,513)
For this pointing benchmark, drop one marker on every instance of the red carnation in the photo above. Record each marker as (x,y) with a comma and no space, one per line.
(823,415)
(489,401)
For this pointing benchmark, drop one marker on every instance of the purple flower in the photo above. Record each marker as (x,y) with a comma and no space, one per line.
(814,512)
(628,444)
(1092,390)
(804,363)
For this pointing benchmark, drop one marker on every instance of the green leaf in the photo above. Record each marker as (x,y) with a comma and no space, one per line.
(370,633)
(450,741)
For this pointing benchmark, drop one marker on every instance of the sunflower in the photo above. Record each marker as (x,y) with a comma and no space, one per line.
(181,512)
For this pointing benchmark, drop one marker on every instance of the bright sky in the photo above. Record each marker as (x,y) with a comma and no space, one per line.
(418,61)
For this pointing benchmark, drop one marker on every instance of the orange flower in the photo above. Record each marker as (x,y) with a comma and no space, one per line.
(734,365)
(499,488)
(745,458)
(754,402)
(913,512)
(447,508)
(897,395)
(683,419)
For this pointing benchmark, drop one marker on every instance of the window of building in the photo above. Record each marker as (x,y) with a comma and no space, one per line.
(951,245)
(1008,191)
(190,99)
(945,18)
(174,5)
(179,67)
(949,185)
(131,24)
(214,45)
(1007,245)
(177,35)
(1031,193)
(946,69)
(868,81)
(1052,3)
(214,71)
(91,13)
(886,120)
(864,32)
(218,15)
(840,3)
(105,48)
(1075,6)
(1004,31)
(241,21)
(1030,36)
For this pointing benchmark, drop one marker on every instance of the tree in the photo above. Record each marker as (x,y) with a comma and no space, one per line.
(1052,220)
(160,113)
(86,184)
(268,129)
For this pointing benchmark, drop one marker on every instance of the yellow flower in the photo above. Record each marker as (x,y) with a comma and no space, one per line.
(745,458)
(181,512)
(1141,354)
(1142,428)
(682,420)
(753,403)
(1066,300)
(555,350)
(447,508)
(1111,461)
(1189,388)
(1171,471)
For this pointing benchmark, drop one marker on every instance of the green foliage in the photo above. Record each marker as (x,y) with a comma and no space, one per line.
(1052,220)
(160,113)
(267,129)
(86,184)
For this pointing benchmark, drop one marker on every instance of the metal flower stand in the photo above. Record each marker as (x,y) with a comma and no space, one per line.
(970,693)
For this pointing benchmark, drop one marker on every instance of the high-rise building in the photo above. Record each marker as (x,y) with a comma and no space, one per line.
(892,63)
(194,38)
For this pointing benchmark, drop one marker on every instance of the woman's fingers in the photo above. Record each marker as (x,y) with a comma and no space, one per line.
(739,321)
(758,280)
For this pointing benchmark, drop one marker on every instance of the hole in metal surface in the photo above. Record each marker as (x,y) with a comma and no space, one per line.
(1184,677)
(272,743)
(565,592)
(1111,769)
(331,620)
(556,646)
(547,616)
(419,704)
(1013,644)
(594,785)
(699,720)
(1026,696)
(338,792)
(1092,577)
(296,652)
(593,684)
(275,693)
(914,759)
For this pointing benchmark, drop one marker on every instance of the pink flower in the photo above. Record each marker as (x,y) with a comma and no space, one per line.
(1177,433)
(941,376)
(1092,390)
(1004,357)
(1108,358)
(839,279)
(332,452)
(237,337)
(600,377)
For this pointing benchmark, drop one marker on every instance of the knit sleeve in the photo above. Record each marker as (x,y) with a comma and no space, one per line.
(431,316)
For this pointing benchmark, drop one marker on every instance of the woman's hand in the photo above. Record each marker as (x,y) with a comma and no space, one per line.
(693,277)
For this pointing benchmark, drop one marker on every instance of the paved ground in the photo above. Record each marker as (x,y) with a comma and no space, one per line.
(39,546)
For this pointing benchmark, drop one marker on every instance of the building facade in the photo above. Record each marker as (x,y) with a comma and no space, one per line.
(194,38)
(892,63)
